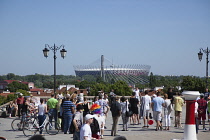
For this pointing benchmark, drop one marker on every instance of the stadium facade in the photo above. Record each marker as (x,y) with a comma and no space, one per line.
(131,74)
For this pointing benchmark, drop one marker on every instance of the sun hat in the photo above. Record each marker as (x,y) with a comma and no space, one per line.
(96,109)
(88,116)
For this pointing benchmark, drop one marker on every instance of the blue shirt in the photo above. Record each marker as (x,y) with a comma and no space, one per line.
(157,104)
(67,105)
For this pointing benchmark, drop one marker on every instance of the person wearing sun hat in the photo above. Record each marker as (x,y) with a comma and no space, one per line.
(96,110)
(85,131)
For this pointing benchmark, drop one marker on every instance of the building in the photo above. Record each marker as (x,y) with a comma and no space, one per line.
(131,74)
(5,83)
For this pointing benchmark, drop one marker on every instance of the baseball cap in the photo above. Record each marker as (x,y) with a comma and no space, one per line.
(201,94)
(21,94)
(88,116)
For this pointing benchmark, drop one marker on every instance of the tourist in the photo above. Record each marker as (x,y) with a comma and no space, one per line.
(9,109)
(206,94)
(97,126)
(137,93)
(111,95)
(124,107)
(178,104)
(95,100)
(60,96)
(167,112)
(42,109)
(157,104)
(52,109)
(68,110)
(145,107)
(116,112)
(78,122)
(86,107)
(202,106)
(134,108)
(85,131)
(170,95)
(104,110)
(25,107)
(20,101)
(59,120)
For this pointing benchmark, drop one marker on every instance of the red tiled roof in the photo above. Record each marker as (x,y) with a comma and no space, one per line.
(9,81)
(35,89)
(6,94)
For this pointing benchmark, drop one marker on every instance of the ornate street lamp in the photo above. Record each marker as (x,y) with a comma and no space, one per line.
(200,54)
(54,49)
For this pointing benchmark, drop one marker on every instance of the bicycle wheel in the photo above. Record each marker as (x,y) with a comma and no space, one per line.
(29,129)
(16,124)
(52,128)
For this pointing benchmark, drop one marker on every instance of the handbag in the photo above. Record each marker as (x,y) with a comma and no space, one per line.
(128,113)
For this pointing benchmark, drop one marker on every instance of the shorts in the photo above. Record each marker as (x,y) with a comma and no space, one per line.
(96,136)
(202,116)
(157,115)
(135,110)
(178,113)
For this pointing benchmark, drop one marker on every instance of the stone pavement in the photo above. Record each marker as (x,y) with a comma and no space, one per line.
(136,132)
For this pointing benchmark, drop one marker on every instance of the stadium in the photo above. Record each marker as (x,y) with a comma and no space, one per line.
(131,74)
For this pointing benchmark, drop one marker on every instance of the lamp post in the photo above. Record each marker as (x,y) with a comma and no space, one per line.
(54,49)
(200,54)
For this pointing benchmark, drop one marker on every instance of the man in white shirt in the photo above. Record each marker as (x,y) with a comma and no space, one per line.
(145,107)
(85,132)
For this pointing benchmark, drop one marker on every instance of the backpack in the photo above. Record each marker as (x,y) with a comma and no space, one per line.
(94,126)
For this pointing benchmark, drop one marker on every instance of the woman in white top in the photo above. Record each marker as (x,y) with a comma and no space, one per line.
(167,112)
(42,109)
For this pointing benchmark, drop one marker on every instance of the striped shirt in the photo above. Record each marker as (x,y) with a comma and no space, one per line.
(67,105)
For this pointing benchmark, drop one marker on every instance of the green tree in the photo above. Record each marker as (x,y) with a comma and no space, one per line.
(11,97)
(193,83)
(2,100)
(152,80)
(121,88)
(25,93)
(10,76)
(14,86)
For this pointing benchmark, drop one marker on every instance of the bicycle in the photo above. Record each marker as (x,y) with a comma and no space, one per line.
(17,123)
(31,128)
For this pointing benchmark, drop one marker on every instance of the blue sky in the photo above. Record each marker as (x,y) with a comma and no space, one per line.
(164,34)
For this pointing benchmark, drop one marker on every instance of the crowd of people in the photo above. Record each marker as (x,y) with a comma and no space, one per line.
(87,120)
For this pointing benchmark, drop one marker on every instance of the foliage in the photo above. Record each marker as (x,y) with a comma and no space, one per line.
(2,100)
(14,86)
(25,93)
(11,97)
(121,88)
(193,83)
(96,83)
(152,80)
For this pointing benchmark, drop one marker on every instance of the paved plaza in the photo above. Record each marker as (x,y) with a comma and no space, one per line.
(136,132)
